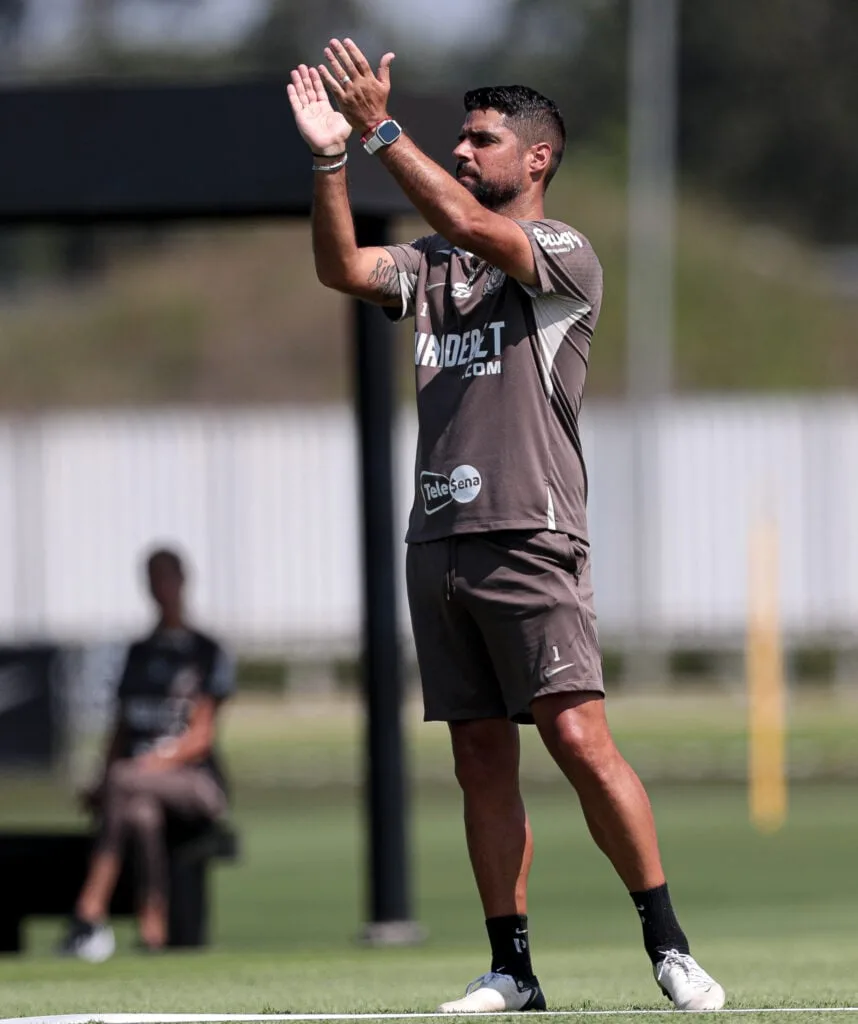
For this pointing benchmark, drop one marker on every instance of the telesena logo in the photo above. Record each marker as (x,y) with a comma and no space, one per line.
(553,241)
(462,486)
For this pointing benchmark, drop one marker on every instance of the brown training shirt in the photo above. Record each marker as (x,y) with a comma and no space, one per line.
(500,369)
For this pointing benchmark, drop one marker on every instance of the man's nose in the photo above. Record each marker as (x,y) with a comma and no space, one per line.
(462,151)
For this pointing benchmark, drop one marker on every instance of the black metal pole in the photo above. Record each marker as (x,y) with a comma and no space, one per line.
(389,896)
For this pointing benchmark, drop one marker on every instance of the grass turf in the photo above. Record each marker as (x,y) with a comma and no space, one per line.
(771,916)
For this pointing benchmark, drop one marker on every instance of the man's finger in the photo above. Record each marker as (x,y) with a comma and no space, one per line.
(339,72)
(318,86)
(297,87)
(344,57)
(305,80)
(331,82)
(358,59)
(384,68)
(294,99)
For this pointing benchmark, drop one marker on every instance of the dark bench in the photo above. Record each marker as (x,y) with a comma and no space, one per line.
(43,873)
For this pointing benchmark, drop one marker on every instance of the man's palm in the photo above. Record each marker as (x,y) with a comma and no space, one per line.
(320,125)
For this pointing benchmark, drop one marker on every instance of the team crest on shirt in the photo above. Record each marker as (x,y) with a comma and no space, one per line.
(495,281)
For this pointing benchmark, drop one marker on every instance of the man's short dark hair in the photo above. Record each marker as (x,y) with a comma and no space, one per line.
(169,557)
(530,115)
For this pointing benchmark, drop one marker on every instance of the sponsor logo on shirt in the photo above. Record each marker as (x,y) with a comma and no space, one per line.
(477,351)
(462,486)
(461,290)
(557,242)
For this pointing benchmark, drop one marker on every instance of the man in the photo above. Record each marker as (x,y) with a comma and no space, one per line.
(498,570)
(161,761)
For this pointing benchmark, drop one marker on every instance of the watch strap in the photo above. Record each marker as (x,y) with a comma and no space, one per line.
(372,141)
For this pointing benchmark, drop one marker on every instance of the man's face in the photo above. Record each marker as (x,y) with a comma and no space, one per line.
(165,585)
(489,160)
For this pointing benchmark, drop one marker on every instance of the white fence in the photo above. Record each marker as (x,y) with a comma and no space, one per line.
(265,503)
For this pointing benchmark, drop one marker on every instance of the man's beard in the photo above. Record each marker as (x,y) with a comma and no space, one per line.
(493,195)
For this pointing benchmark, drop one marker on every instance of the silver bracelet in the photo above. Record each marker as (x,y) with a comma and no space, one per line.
(327,168)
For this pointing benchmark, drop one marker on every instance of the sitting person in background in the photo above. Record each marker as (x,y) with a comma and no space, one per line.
(161,761)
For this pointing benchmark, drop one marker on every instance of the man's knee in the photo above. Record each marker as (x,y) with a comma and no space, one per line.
(121,779)
(144,815)
(576,729)
(485,753)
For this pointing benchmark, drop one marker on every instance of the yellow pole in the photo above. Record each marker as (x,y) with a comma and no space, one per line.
(767,783)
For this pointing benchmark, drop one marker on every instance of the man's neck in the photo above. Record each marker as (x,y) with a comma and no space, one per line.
(523,208)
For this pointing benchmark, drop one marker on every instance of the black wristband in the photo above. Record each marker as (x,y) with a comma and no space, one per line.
(328,156)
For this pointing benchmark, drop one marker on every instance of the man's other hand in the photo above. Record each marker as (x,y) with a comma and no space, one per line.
(324,129)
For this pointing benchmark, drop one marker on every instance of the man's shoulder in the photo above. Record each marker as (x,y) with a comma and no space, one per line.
(205,643)
(141,645)
(556,236)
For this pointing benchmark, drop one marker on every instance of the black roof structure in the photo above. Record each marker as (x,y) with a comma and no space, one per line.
(89,151)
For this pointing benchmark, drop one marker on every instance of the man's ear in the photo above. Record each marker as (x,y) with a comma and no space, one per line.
(539,157)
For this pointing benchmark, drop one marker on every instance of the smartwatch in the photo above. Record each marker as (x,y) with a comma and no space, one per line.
(384,134)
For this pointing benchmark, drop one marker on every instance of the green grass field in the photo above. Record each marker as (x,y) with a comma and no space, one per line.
(772,916)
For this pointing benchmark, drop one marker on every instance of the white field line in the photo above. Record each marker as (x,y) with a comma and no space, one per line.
(203,1018)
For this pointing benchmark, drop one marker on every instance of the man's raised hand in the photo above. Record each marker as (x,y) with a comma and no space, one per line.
(324,129)
(360,92)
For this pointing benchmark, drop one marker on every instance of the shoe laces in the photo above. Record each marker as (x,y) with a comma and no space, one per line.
(484,979)
(687,964)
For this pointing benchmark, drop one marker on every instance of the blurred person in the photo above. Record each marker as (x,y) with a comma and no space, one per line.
(498,569)
(161,761)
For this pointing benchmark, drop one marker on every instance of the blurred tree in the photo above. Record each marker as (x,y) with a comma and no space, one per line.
(290,31)
(11,26)
(11,19)
(577,57)
(767,92)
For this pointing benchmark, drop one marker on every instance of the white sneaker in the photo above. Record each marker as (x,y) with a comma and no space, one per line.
(94,943)
(683,980)
(493,993)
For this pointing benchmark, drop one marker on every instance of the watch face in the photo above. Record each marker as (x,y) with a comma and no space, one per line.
(388,131)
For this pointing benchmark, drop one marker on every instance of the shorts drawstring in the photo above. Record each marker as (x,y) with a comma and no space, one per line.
(450,576)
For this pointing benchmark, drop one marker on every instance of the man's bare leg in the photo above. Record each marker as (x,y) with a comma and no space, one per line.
(616,807)
(575,730)
(94,898)
(500,845)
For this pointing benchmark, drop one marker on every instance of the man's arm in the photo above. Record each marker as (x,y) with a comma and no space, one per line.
(445,204)
(454,213)
(191,746)
(368,273)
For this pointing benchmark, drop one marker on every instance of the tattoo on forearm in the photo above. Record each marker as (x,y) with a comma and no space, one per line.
(384,277)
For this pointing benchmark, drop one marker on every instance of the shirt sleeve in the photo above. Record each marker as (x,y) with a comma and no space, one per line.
(566,265)
(407,258)
(220,681)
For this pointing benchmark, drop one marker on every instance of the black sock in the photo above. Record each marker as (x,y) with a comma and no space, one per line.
(510,945)
(661,930)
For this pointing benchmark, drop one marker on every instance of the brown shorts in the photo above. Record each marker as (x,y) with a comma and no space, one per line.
(500,618)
